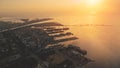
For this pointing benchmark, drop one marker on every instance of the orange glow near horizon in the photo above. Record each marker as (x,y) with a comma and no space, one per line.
(57,7)
(88,20)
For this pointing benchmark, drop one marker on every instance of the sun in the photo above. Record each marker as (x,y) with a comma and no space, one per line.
(93,2)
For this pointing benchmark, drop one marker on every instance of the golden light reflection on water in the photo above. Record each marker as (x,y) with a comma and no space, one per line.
(97,34)
(90,19)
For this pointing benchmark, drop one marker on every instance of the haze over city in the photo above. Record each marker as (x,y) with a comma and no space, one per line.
(95,22)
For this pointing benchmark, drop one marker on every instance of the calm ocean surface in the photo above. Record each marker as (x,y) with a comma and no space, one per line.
(99,35)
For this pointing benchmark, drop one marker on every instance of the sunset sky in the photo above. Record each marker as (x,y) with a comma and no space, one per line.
(18,7)
(101,42)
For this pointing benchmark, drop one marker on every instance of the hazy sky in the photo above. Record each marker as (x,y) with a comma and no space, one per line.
(99,41)
(9,7)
